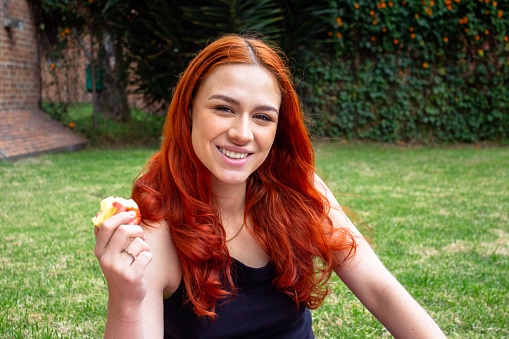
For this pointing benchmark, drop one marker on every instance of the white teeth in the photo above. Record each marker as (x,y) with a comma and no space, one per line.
(233,155)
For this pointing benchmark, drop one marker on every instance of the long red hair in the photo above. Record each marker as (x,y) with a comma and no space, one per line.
(289,215)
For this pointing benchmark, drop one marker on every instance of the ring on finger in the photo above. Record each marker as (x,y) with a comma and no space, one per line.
(130,253)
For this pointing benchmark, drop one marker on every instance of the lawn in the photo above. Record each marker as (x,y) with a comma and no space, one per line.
(438,216)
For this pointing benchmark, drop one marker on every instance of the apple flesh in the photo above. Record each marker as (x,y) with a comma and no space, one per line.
(114,205)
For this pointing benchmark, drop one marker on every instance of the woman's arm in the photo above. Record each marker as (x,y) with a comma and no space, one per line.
(385,297)
(377,288)
(135,287)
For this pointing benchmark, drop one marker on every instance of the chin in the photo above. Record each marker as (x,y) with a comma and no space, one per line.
(232,180)
(235,181)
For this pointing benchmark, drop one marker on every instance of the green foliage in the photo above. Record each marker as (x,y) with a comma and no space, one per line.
(427,71)
(218,17)
(303,30)
(157,42)
(163,36)
(57,110)
(413,70)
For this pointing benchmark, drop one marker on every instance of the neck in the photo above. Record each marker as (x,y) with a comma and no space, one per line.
(230,200)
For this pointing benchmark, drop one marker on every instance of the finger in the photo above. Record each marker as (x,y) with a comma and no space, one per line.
(110,225)
(136,246)
(142,260)
(116,257)
(123,235)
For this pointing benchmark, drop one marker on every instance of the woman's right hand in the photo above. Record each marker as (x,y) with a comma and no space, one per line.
(123,255)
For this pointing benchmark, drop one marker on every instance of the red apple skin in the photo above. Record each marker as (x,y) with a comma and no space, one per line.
(121,208)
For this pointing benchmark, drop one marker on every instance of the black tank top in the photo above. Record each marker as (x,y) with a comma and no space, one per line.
(258,310)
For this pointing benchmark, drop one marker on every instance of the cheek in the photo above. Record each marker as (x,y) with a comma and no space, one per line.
(193,138)
(198,132)
(271,137)
(204,131)
(196,141)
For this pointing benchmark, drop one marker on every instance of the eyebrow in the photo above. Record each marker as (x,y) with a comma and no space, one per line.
(236,102)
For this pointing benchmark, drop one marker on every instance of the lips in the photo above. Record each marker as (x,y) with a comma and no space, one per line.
(233,155)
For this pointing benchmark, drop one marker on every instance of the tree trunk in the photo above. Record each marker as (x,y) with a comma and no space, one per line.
(114,99)
(114,103)
(93,74)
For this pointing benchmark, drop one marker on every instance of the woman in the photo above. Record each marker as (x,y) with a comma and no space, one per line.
(239,235)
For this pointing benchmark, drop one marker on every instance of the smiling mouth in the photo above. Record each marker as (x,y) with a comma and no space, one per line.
(233,155)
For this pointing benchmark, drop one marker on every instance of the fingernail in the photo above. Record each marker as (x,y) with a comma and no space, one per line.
(132,214)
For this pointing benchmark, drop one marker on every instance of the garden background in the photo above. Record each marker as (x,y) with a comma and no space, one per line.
(407,104)
(392,71)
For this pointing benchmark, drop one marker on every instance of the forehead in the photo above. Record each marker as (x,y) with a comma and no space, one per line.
(241,79)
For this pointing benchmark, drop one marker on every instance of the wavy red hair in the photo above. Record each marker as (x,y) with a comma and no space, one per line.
(290,216)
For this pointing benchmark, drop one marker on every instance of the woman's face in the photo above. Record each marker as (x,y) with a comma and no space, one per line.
(234,120)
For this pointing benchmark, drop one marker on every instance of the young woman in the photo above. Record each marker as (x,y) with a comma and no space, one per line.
(239,235)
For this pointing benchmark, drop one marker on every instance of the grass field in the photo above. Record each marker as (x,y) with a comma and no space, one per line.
(439,219)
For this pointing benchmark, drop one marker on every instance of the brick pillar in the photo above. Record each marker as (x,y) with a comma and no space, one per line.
(19,58)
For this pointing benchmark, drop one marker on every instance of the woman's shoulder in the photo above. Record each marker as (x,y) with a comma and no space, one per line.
(164,270)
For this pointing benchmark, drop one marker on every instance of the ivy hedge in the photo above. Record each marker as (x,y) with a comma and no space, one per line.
(426,71)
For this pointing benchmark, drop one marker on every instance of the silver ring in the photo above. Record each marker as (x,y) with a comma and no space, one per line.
(129,252)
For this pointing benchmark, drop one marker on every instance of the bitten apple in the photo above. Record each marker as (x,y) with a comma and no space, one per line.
(114,205)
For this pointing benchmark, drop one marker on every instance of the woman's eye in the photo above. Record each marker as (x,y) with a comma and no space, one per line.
(224,109)
(263,117)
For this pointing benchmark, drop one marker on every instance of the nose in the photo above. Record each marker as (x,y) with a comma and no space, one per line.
(240,131)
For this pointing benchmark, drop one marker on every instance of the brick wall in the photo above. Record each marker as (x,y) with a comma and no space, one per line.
(64,80)
(19,59)
(24,129)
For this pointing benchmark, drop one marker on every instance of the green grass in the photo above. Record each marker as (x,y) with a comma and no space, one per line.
(439,219)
